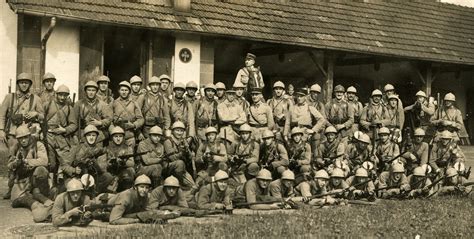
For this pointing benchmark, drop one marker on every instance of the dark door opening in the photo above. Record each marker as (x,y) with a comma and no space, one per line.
(122,55)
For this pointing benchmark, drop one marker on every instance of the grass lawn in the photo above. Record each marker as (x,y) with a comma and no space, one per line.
(440,218)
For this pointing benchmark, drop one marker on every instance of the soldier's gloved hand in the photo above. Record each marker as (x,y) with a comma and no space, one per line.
(75,211)
(59,130)
(219,206)
(129,126)
(141,137)
(96,123)
(358,192)
(88,215)
(31,115)
(2,136)
(461,188)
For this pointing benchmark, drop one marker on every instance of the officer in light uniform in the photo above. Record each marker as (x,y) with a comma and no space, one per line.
(231,115)
(259,115)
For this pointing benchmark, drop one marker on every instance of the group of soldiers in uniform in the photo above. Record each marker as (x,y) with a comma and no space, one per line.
(150,154)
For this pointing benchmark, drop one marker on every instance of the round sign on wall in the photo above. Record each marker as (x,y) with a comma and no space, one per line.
(185,55)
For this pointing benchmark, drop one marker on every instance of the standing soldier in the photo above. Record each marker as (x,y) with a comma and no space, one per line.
(212,155)
(136,88)
(155,108)
(391,183)
(59,127)
(127,114)
(280,105)
(239,93)
(385,150)
(220,92)
(21,108)
(396,118)
(445,153)
(390,90)
(273,155)
(244,153)
(448,117)
(165,88)
(181,110)
(306,117)
(92,111)
(48,93)
(178,155)
(299,151)
(117,164)
(421,110)
(313,99)
(417,154)
(216,195)
(357,107)
(66,210)
(206,111)
(330,151)
(231,115)
(250,75)
(374,115)
(153,159)
(260,115)
(104,93)
(339,113)
(191,97)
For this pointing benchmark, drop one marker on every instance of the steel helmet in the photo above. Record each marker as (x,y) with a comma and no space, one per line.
(253,169)
(361,172)
(339,88)
(450,97)
(142,179)
(388,87)
(221,175)
(264,174)
(278,84)
(330,129)
(192,85)
(91,84)
(220,86)
(419,171)
(210,86)
(337,173)
(63,89)
(288,175)
(421,93)
(315,88)
(245,128)
(89,181)
(267,134)
(364,138)
(90,129)
(459,166)
(351,89)
(179,85)
(451,172)
(117,130)
(178,125)
(136,79)
(321,174)
(445,134)
(397,168)
(156,130)
(49,76)
(25,76)
(22,131)
(210,130)
(238,84)
(376,92)
(384,130)
(74,185)
(367,165)
(154,80)
(296,130)
(164,77)
(126,84)
(419,132)
(171,181)
(103,79)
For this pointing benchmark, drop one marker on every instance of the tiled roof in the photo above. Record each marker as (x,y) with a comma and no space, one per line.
(420,30)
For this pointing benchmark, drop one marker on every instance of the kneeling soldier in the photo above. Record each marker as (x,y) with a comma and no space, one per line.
(152,160)
(393,182)
(329,151)
(273,155)
(298,150)
(67,206)
(216,195)
(120,163)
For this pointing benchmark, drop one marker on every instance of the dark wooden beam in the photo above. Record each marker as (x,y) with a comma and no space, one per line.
(367,61)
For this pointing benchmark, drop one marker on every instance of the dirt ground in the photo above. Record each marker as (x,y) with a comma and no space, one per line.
(19,223)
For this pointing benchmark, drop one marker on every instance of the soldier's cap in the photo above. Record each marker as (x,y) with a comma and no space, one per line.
(49,76)
(230,91)
(301,91)
(250,56)
(25,76)
(164,77)
(256,91)
(103,79)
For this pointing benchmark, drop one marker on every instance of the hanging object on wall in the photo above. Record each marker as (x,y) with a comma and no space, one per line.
(185,55)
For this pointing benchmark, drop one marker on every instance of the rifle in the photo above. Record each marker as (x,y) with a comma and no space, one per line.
(331,160)
(188,156)
(10,116)
(73,99)
(466,173)
(273,155)
(88,164)
(10,87)
(236,161)
(99,212)
(293,165)
(119,162)
(348,189)
(283,202)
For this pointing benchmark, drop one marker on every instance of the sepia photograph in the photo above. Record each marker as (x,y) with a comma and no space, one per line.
(236,119)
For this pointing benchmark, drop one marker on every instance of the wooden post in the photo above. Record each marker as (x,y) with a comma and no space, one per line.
(428,79)
(329,83)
